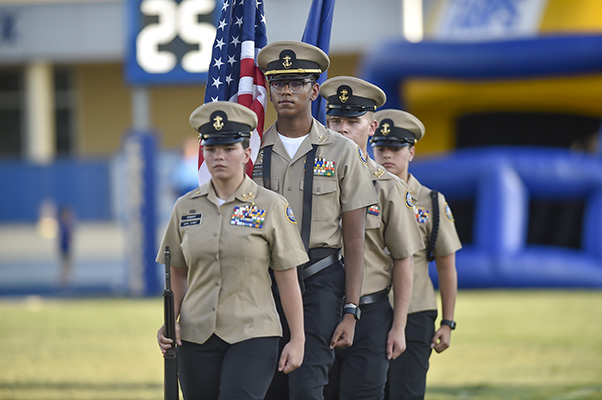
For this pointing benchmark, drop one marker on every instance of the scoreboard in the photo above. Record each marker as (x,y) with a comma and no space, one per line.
(170,41)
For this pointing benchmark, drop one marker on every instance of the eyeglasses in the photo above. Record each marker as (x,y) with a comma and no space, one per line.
(293,86)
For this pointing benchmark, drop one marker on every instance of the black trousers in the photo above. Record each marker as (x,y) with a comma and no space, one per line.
(407,373)
(360,371)
(218,370)
(322,308)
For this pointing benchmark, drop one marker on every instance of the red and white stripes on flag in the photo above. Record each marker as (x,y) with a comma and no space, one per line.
(233,72)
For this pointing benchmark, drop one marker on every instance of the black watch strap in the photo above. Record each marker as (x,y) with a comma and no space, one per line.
(449,322)
(352,309)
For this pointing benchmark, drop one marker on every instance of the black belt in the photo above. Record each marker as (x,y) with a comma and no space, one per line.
(312,268)
(374,297)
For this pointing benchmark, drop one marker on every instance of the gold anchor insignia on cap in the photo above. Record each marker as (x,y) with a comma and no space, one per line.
(247,196)
(385,129)
(287,62)
(217,123)
(343,96)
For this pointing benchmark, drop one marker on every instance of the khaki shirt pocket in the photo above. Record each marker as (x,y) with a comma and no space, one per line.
(325,204)
(191,235)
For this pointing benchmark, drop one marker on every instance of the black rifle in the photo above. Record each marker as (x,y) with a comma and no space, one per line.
(170,356)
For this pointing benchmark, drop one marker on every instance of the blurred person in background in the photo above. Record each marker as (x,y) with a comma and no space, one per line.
(394,148)
(66,228)
(224,237)
(185,176)
(391,238)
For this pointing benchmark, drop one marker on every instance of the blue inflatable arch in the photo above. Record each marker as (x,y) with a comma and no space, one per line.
(502,181)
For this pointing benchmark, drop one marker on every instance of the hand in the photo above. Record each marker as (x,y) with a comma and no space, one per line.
(442,339)
(396,343)
(344,332)
(165,343)
(292,356)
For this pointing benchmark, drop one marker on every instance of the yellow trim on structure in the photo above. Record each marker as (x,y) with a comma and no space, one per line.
(572,16)
(438,103)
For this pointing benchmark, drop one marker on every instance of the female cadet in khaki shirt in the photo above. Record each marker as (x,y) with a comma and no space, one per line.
(393,144)
(224,236)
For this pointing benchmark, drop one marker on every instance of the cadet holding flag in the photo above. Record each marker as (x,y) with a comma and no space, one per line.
(392,237)
(324,177)
(393,143)
(224,237)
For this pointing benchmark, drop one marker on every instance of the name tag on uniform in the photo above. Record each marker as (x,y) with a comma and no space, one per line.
(323,167)
(250,216)
(191,219)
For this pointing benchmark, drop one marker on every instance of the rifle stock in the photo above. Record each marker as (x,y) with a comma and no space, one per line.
(170,356)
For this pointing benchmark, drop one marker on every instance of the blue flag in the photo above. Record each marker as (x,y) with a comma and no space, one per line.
(317,33)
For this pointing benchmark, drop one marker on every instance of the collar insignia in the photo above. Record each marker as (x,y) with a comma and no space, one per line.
(247,196)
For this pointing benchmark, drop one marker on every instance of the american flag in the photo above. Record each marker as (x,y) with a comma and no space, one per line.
(233,72)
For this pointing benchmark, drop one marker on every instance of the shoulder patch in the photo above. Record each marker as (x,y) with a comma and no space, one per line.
(361,156)
(408,201)
(448,213)
(289,214)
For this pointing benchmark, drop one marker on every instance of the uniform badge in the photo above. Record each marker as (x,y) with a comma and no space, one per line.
(361,156)
(191,219)
(408,201)
(248,215)
(379,172)
(289,215)
(258,165)
(323,167)
(374,210)
(422,215)
(247,196)
(448,213)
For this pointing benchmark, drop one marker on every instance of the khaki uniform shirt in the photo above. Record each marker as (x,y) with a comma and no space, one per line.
(228,251)
(423,293)
(391,230)
(340,180)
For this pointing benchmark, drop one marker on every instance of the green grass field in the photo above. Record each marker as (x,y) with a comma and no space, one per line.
(508,345)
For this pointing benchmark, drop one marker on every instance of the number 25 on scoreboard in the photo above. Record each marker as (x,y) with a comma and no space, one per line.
(170,40)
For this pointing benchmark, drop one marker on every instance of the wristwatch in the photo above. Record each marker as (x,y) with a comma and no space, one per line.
(449,322)
(352,309)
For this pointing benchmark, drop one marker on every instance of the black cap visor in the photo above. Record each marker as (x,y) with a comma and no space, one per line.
(390,142)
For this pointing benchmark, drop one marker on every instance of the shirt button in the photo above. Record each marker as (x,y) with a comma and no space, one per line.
(213,308)
(317,189)
(215,234)
(289,188)
(216,283)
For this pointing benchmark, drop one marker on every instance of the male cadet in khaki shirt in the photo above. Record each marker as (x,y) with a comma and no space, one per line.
(329,199)
(392,236)
(393,143)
